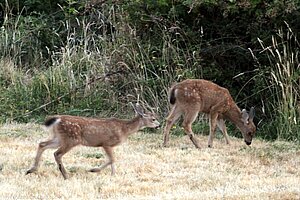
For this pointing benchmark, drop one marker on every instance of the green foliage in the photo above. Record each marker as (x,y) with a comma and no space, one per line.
(51,51)
(70,78)
(282,80)
(27,39)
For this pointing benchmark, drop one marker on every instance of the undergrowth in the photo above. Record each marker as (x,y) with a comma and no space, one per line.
(281,79)
(94,65)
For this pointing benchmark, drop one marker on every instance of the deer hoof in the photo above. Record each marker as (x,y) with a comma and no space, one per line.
(94,170)
(30,171)
(195,142)
(165,145)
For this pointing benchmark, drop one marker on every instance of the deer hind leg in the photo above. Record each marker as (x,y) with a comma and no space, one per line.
(222,127)
(50,144)
(58,155)
(189,118)
(111,160)
(171,119)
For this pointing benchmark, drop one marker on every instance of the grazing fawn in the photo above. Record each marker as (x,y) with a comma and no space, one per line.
(192,96)
(70,131)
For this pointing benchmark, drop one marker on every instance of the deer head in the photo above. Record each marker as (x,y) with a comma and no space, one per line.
(249,128)
(149,119)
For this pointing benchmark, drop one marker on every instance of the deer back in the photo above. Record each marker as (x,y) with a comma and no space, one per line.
(202,94)
(99,132)
(87,131)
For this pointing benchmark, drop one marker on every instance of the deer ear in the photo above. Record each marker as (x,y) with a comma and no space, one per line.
(245,115)
(251,114)
(138,109)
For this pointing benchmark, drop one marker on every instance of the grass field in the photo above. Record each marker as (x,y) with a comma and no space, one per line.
(145,170)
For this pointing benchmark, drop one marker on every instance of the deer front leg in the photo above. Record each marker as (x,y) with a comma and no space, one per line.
(212,127)
(54,143)
(111,160)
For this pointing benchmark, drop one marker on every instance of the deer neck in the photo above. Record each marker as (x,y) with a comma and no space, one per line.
(133,125)
(234,115)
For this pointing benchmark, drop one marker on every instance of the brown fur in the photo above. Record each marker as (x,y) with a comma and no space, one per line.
(192,96)
(70,131)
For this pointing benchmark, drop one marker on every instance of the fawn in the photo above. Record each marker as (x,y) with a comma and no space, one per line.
(192,96)
(70,131)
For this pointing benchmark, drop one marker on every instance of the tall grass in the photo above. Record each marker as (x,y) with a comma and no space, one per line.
(63,82)
(26,86)
(283,79)
(36,80)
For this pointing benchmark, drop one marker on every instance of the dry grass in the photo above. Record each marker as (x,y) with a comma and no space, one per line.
(145,170)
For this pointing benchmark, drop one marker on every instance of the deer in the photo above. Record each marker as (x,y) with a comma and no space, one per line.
(192,96)
(69,131)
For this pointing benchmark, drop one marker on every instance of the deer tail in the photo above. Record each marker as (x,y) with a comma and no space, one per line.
(172,97)
(52,121)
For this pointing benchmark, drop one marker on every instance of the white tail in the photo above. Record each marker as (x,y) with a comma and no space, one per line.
(70,131)
(192,96)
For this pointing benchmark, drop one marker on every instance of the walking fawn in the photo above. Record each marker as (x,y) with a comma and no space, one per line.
(192,96)
(70,131)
